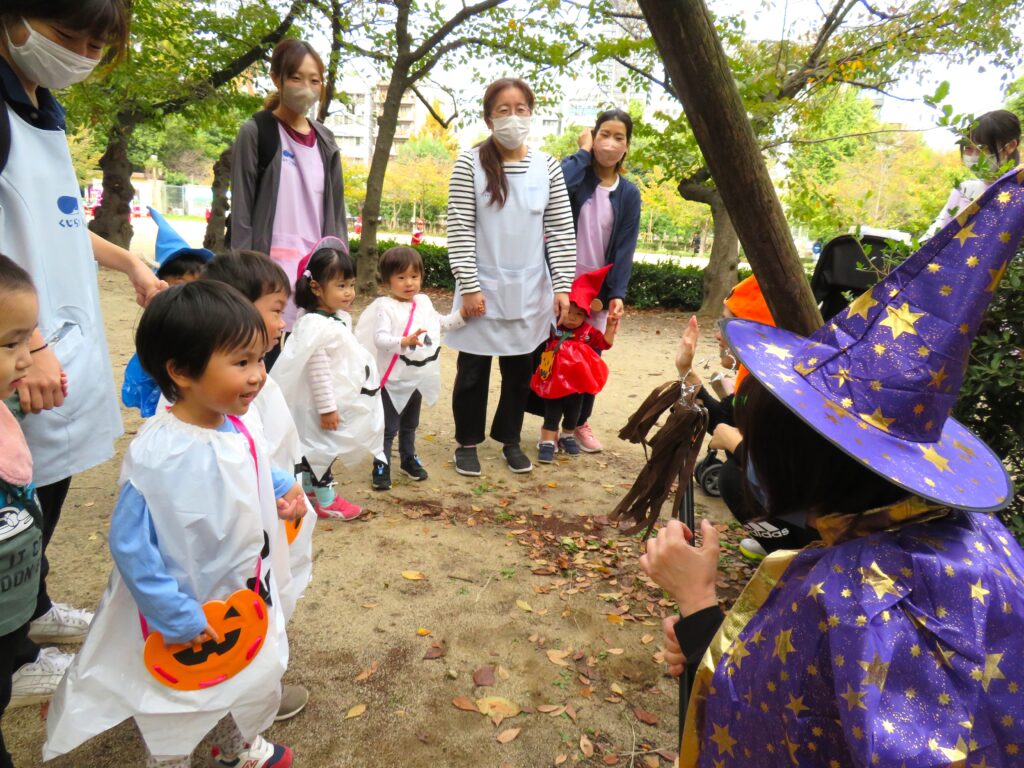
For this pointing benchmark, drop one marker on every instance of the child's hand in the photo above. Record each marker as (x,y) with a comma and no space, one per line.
(413,339)
(206,635)
(292,505)
(613,322)
(329,421)
(687,346)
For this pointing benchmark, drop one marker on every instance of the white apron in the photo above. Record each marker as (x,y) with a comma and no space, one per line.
(416,368)
(269,416)
(356,391)
(511,266)
(43,230)
(210,532)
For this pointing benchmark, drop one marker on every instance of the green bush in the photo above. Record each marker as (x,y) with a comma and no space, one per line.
(435,262)
(991,402)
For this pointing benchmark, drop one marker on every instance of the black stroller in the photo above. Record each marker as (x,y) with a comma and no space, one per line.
(847,265)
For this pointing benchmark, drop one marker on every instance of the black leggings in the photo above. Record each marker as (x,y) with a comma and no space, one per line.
(565,409)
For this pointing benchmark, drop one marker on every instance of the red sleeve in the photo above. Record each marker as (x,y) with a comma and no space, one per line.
(597,340)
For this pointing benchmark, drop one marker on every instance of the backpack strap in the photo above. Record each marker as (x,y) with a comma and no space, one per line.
(267,142)
(5,135)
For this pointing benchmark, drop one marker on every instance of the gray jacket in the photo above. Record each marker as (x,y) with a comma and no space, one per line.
(252,210)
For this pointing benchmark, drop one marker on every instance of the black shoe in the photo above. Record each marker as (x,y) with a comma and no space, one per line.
(381,476)
(466,462)
(413,468)
(518,461)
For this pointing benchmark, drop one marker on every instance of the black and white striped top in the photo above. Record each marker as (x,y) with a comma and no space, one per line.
(560,237)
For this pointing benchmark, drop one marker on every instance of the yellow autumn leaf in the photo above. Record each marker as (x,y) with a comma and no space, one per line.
(522,604)
(356,711)
(616,688)
(413,575)
(422,631)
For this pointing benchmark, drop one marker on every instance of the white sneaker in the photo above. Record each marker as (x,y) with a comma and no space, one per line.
(34,683)
(61,624)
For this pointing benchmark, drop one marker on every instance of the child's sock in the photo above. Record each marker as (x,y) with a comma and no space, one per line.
(307,483)
(325,495)
(168,762)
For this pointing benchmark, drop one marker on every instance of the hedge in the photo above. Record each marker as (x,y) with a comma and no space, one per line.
(663,284)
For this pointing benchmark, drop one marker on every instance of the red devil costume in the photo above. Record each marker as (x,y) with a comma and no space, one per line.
(570,365)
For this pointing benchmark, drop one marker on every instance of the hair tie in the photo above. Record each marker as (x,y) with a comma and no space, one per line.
(307,274)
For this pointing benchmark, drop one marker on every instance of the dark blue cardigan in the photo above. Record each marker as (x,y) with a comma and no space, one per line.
(581,182)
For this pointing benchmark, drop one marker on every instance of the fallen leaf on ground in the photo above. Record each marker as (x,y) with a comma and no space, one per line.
(369,605)
(615,651)
(484,676)
(651,761)
(506,736)
(465,704)
(558,657)
(367,673)
(613,619)
(497,705)
(647,639)
(644,716)
(571,712)
(549,709)
(552,484)
(503,673)
(610,759)
(616,688)
(586,747)
(522,604)
(356,711)
(435,651)
(561,759)
(413,575)
(422,631)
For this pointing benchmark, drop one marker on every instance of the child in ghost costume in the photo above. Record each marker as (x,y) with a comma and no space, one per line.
(403,331)
(328,379)
(262,280)
(179,545)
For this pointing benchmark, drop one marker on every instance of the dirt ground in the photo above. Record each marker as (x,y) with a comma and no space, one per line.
(528,594)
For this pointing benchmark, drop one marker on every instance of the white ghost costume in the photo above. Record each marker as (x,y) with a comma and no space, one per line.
(212,522)
(411,368)
(356,385)
(270,417)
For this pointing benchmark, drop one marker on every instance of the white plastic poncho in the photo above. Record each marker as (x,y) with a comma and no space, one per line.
(356,391)
(416,368)
(211,518)
(269,416)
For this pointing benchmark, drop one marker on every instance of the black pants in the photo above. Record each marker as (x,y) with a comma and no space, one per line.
(12,649)
(565,409)
(51,501)
(402,424)
(469,397)
(586,409)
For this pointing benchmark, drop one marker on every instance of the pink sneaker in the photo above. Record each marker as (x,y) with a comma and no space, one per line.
(339,509)
(585,437)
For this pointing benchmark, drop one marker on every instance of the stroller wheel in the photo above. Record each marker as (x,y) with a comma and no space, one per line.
(708,479)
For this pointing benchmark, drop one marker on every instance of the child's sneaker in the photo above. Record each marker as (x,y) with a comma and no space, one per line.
(35,682)
(381,475)
(339,509)
(585,437)
(413,468)
(60,624)
(260,754)
(567,444)
(545,452)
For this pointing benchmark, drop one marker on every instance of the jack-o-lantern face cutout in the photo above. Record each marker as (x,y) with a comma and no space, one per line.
(547,362)
(292,528)
(241,621)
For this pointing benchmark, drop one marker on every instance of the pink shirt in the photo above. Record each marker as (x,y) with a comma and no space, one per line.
(299,214)
(593,231)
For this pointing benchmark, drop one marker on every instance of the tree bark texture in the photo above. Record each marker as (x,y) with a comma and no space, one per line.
(387,125)
(113,219)
(686,39)
(215,227)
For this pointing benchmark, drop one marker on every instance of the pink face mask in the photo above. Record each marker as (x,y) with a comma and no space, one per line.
(608,153)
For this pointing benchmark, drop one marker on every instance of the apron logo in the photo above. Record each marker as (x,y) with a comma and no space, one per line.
(289,156)
(68,206)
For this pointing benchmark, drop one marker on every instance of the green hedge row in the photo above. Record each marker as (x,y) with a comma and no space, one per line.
(663,284)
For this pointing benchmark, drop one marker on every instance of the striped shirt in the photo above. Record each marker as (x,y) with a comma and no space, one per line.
(321,382)
(559,235)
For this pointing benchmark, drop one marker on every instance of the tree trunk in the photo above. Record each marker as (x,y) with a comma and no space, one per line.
(387,125)
(686,39)
(113,220)
(720,273)
(215,227)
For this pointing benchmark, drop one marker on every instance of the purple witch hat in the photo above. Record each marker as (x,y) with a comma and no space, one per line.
(881,378)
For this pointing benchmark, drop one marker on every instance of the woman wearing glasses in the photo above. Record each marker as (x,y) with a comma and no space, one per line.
(512,249)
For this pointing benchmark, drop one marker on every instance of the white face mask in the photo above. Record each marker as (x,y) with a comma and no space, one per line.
(299,98)
(970,159)
(47,63)
(512,131)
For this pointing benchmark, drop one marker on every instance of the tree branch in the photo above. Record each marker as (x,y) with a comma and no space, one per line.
(467,12)
(647,76)
(783,142)
(430,108)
